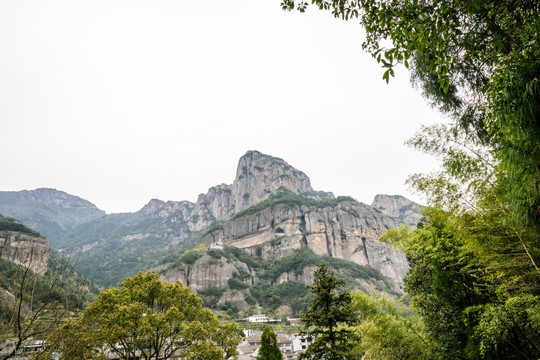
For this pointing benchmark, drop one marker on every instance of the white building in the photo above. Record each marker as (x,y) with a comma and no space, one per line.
(299,343)
(258,318)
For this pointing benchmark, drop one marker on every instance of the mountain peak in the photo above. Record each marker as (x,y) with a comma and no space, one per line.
(259,175)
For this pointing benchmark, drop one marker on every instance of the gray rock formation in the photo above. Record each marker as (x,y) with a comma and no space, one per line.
(206,273)
(399,207)
(348,231)
(24,249)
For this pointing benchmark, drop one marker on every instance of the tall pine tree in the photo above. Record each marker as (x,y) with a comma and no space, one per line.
(329,318)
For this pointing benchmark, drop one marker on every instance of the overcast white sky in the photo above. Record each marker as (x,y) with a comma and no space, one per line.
(119,102)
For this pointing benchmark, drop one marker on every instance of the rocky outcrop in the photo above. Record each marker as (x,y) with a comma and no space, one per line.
(349,231)
(24,249)
(258,176)
(399,207)
(207,272)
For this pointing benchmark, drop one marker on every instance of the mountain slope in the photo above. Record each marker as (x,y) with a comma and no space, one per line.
(231,279)
(51,212)
(341,228)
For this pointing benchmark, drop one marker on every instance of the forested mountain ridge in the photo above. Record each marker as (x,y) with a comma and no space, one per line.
(49,211)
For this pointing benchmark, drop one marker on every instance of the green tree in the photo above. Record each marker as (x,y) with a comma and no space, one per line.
(469,310)
(329,319)
(151,319)
(389,330)
(475,259)
(473,274)
(269,349)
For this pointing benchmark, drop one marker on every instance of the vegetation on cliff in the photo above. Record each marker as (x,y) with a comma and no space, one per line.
(10,224)
(286,197)
(268,291)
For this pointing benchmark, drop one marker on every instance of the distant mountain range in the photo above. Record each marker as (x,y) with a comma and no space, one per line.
(270,211)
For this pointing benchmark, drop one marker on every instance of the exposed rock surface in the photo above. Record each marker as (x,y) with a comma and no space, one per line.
(206,272)
(25,249)
(399,207)
(348,231)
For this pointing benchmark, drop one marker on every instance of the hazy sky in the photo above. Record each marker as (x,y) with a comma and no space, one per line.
(120,102)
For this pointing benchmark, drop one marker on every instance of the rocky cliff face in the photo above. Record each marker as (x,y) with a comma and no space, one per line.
(399,207)
(24,249)
(258,176)
(206,273)
(349,230)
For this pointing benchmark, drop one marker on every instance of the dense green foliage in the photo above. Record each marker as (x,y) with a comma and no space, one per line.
(150,319)
(291,293)
(120,253)
(269,349)
(479,62)
(474,259)
(389,330)
(329,319)
(33,305)
(473,312)
(474,274)
(60,285)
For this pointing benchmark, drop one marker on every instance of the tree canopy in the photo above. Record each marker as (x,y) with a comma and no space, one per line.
(269,349)
(473,274)
(475,256)
(150,319)
(389,330)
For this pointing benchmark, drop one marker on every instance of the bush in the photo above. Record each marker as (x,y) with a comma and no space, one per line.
(250,299)
(236,284)
(215,253)
(189,257)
